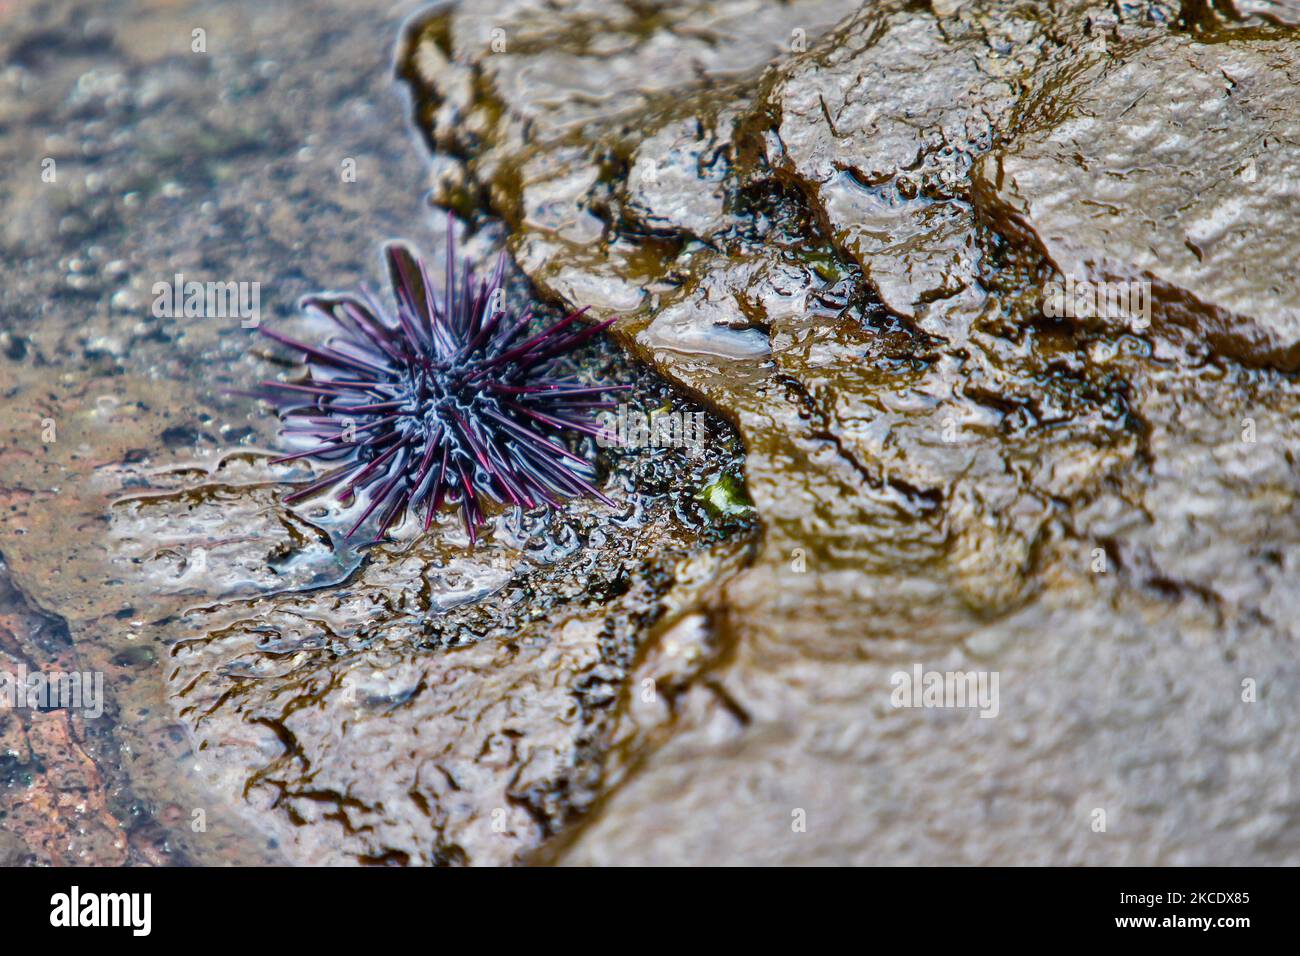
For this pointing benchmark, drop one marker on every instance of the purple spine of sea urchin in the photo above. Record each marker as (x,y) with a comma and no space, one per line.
(452,400)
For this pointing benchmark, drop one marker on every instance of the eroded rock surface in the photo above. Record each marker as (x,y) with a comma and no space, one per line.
(826,251)
(1174,165)
(832,224)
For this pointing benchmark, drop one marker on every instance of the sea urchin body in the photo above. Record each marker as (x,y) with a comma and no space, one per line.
(452,400)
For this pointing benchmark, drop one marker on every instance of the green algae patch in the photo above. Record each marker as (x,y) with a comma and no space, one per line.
(725,497)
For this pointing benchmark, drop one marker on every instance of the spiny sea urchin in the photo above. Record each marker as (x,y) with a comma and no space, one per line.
(450,401)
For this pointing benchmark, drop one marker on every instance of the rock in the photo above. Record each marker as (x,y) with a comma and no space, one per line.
(945,478)
(1231,13)
(1176,167)
(878,125)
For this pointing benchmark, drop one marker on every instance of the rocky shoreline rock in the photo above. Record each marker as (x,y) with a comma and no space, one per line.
(832,225)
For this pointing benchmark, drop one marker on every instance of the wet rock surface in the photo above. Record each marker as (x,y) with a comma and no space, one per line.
(832,225)
(945,475)
(282,696)
(57,769)
(1171,165)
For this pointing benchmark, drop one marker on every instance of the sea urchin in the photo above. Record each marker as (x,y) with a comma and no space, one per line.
(450,401)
